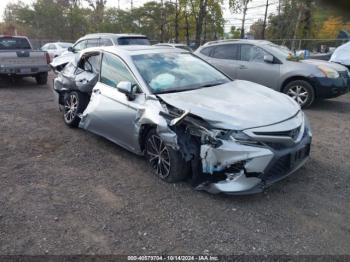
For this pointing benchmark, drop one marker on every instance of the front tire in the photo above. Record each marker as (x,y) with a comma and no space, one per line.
(165,162)
(301,91)
(74,104)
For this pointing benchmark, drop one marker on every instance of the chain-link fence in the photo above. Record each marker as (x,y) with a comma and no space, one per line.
(313,45)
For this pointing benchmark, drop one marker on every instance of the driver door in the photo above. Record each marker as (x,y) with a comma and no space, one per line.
(110,113)
(252,67)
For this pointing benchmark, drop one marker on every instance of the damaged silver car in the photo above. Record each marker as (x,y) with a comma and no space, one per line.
(188,119)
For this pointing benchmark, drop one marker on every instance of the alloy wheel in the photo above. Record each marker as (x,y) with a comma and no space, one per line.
(70,108)
(299,94)
(158,156)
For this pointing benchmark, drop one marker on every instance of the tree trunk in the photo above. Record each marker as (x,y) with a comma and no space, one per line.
(162,22)
(176,21)
(187,28)
(199,19)
(301,9)
(265,19)
(243,20)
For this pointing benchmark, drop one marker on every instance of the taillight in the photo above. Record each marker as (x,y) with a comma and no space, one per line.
(48,59)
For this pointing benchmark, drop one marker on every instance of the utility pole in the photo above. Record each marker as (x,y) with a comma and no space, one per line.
(245,9)
(265,18)
(131,4)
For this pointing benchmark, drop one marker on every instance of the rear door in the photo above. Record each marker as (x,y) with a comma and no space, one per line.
(225,57)
(252,67)
(110,113)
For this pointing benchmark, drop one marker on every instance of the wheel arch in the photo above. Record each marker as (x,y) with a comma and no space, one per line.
(144,130)
(296,78)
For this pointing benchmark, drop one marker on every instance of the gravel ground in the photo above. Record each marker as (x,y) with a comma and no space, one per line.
(66,191)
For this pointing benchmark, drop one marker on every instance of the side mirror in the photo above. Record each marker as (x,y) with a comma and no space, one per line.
(269,59)
(126,88)
(71,49)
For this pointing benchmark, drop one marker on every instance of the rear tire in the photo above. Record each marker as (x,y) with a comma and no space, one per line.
(301,91)
(165,162)
(41,78)
(74,104)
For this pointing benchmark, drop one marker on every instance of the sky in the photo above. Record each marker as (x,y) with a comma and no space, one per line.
(256,10)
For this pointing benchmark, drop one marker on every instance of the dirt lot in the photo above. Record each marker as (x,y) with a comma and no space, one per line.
(65,191)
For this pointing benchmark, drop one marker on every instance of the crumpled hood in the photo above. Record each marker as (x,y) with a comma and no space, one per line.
(64,59)
(237,105)
(316,62)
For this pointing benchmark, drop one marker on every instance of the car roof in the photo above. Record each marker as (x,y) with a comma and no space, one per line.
(130,50)
(169,44)
(239,41)
(14,36)
(98,35)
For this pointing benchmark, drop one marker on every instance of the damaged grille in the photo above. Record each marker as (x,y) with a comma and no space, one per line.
(280,167)
(285,164)
(294,133)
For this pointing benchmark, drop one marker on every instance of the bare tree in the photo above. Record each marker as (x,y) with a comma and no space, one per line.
(98,7)
(199,9)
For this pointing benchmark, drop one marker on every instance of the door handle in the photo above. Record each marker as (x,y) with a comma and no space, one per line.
(243,67)
(97,91)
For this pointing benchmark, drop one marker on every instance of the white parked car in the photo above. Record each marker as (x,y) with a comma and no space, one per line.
(56,49)
(341,55)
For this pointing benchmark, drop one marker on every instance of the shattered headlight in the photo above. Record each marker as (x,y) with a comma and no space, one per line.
(242,138)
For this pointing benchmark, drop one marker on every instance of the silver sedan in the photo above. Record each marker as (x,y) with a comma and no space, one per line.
(187,118)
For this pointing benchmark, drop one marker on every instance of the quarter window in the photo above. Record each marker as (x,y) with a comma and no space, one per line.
(114,71)
(226,52)
(252,53)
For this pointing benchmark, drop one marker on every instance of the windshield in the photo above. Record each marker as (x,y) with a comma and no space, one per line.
(133,41)
(281,50)
(12,43)
(174,72)
(65,45)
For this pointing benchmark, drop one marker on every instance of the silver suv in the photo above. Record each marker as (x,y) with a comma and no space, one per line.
(275,66)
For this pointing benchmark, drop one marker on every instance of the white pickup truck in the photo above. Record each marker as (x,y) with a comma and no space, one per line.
(18,59)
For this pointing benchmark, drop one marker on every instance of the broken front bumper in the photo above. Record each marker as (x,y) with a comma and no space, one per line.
(262,166)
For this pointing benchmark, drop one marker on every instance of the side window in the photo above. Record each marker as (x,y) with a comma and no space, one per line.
(105,42)
(51,47)
(114,71)
(91,63)
(206,51)
(80,46)
(252,53)
(92,43)
(226,51)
